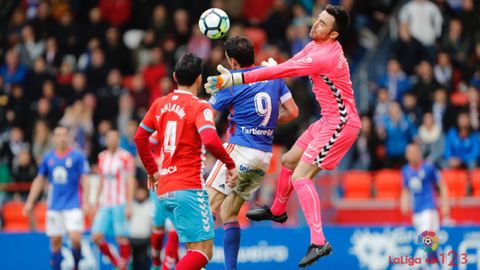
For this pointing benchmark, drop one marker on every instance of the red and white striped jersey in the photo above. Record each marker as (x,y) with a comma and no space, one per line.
(114,170)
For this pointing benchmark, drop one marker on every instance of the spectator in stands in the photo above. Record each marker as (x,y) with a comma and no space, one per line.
(97,72)
(48,92)
(469,17)
(408,50)
(79,88)
(432,140)
(99,139)
(425,21)
(44,112)
(30,48)
(115,12)
(140,95)
(126,108)
(85,59)
(126,140)
(474,107)
(365,150)
(13,146)
(381,107)
(140,228)
(298,36)
(108,97)
(397,131)
(12,71)
(80,123)
(443,112)
(278,18)
(36,78)
(425,85)
(96,26)
(24,169)
(116,54)
(199,44)
(181,27)
(444,70)
(142,52)
(64,79)
(411,109)
(52,55)
(395,80)
(164,87)
(43,23)
(18,108)
(455,43)
(159,23)
(462,147)
(68,34)
(3,107)
(156,69)
(41,140)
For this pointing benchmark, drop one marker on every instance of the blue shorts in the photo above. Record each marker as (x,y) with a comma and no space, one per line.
(111,221)
(190,213)
(159,215)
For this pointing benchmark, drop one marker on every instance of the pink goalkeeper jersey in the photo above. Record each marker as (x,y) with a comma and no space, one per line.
(328,70)
(114,170)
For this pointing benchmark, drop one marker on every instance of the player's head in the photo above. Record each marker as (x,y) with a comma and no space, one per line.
(332,23)
(188,72)
(60,138)
(112,140)
(413,154)
(239,52)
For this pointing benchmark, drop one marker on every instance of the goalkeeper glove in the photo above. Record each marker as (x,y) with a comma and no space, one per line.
(225,79)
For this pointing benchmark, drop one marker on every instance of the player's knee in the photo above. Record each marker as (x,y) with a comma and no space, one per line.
(56,243)
(288,161)
(97,238)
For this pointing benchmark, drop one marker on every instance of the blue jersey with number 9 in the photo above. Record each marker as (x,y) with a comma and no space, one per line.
(254,110)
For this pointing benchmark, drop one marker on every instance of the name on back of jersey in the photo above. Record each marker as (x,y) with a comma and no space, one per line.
(257,131)
(253,83)
(169,107)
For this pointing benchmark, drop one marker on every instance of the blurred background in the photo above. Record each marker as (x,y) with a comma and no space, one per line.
(97,65)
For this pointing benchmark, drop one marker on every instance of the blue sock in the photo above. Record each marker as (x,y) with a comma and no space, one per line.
(231,244)
(77,255)
(56,260)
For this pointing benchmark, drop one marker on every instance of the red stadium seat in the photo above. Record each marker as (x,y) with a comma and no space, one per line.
(388,184)
(13,218)
(357,185)
(475,181)
(456,181)
(40,213)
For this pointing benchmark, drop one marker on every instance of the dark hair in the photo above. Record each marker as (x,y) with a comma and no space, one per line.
(342,18)
(241,49)
(187,69)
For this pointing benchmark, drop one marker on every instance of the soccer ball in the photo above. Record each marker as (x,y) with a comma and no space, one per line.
(214,23)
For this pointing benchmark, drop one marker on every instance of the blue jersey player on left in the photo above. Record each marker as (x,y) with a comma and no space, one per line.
(65,170)
(255,110)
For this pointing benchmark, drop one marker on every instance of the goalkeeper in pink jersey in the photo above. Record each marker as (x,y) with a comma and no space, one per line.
(325,142)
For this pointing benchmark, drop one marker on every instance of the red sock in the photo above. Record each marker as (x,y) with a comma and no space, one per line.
(308,197)
(284,189)
(171,251)
(125,251)
(193,260)
(105,249)
(156,241)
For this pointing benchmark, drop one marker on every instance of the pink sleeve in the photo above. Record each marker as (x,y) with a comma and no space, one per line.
(295,67)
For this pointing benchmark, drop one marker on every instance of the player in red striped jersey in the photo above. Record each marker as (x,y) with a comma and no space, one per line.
(116,168)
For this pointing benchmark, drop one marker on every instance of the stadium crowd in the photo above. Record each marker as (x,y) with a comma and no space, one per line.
(97,65)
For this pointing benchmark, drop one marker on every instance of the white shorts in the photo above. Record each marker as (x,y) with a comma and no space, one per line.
(58,223)
(252,164)
(426,220)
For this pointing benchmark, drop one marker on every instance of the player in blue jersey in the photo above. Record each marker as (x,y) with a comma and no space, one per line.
(420,179)
(65,170)
(255,110)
